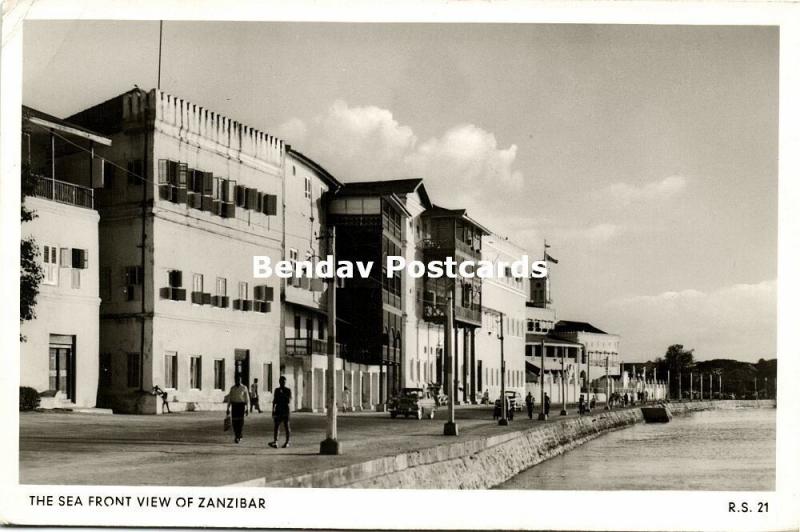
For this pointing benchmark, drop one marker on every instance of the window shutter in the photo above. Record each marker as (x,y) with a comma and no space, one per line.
(269,294)
(66,257)
(239,195)
(259,201)
(98,172)
(163,171)
(270,204)
(258,293)
(183,172)
(175,278)
(208,184)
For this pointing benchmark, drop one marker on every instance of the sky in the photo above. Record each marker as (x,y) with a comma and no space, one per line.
(645,155)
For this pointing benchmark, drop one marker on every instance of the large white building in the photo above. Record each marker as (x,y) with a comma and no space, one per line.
(195,199)
(59,354)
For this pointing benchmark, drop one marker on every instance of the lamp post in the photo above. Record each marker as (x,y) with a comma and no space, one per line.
(542,414)
(588,381)
(608,389)
(330,445)
(701,386)
(680,391)
(503,411)
(450,427)
(691,391)
(668,385)
(563,384)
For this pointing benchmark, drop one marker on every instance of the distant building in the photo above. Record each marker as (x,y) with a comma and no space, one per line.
(602,348)
(196,197)
(59,356)
(503,296)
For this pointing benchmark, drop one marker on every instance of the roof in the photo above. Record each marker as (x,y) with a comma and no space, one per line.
(49,121)
(532,338)
(441,212)
(324,174)
(577,326)
(387,187)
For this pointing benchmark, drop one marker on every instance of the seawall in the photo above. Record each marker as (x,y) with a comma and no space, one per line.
(485,462)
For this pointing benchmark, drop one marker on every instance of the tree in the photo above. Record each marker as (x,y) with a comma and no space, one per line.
(31,273)
(677,360)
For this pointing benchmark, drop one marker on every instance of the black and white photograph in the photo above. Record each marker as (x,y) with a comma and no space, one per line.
(459,264)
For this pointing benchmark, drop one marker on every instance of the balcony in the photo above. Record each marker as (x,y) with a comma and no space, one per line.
(310,346)
(61,191)
(468,315)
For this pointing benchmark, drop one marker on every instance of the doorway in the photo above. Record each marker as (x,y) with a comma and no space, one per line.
(62,365)
(242,365)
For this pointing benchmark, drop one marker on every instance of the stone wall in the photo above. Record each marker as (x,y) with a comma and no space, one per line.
(485,462)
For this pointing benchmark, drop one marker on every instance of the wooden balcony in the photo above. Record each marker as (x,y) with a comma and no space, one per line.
(310,346)
(60,191)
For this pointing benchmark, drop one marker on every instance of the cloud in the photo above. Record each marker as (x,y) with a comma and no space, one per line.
(626,194)
(736,321)
(362,143)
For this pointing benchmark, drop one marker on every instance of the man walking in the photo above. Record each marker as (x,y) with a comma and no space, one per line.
(238,399)
(546,404)
(529,404)
(281,401)
(254,396)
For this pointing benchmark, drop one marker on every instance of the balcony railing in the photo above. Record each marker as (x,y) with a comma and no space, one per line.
(468,314)
(310,346)
(61,191)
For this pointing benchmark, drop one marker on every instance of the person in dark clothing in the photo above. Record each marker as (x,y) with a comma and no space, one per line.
(529,404)
(546,405)
(164,398)
(281,401)
(581,405)
(254,396)
(238,399)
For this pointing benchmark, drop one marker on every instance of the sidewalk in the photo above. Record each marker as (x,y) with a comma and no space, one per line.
(190,449)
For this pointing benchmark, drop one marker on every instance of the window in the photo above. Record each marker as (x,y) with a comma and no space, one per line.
(294,170)
(175,278)
(197,282)
(321,328)
(134,370)
(307,187)
(195,372)
(50,259)
(243,292)
(268,376)
(219,374)
(222,286)
(297,326)
(80,258)
(171,370)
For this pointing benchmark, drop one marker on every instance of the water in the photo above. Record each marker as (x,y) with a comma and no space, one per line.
(726,450)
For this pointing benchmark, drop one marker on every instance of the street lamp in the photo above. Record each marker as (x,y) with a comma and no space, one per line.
(450,427)
(330,445)
(563,385)
(503,411)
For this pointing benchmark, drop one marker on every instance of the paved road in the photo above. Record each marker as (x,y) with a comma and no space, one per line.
(190,448)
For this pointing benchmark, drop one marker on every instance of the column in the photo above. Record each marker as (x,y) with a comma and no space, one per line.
(323,392)
(455,367)
(465,371)
(472,375)
(311,387)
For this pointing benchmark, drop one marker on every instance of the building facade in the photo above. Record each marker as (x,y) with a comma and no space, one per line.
(193,197)
(59,351)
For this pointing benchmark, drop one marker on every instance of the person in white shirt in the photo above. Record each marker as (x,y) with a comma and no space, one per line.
(238,401)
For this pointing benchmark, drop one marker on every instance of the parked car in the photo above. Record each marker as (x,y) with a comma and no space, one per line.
(413,402)
(515,402)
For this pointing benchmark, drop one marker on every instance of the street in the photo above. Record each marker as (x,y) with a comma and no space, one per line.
(191,449)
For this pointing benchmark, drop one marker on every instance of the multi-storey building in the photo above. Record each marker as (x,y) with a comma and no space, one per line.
(452,233)
(59,354)
(192,198)
(307,189)
(503,297)
(379,314)
(601,348)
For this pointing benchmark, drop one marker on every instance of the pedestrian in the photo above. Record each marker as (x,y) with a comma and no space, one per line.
(625,399)
(346,405)
(254,396)
(281,401)
(546,404)
(238,400)
(164,396)
(593,401)
(529,404)
(581,405)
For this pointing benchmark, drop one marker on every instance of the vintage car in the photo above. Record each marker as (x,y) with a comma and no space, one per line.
(515,404)
(412,402)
